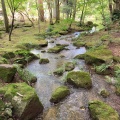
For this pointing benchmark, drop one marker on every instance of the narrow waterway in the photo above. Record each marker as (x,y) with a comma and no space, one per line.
(75,106)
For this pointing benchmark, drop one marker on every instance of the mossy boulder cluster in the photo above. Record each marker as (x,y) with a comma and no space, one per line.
(44,61)
(79,79)
(56,49)
(101,111)
(59,94)
(25,102)
(7,72)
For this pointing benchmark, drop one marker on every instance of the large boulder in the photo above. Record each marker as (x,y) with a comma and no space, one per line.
(7,72)
(99,55)
(79,79)
(43,43)
(24,100)
(59,94)
(101,111)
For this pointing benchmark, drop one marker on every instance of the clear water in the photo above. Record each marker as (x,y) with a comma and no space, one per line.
(75,106)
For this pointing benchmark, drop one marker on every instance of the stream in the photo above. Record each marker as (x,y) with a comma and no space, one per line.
(75,106)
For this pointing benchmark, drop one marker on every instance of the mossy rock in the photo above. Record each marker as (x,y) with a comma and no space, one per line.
(63,32)
(59,94)
(104,93)
(44,61)
(25,75)
(79,79)
(101,111)
(24,100)
(43,43)
(80,56)
(24,56)
(69,66)
(59,71)
(97,56)
(7,72)
(79,43)
(55,49)
(8,55)
(117,90)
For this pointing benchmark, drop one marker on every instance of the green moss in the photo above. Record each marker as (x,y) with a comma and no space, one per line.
(101,111)
(7,72)
(79,79)
(59,71)
(98,55)
(59,94)
(69,66)
(79,43)
(44,61)
(56,49)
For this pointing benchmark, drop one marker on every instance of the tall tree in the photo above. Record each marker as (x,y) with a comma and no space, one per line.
(6,22)
(41,10)
(57,10)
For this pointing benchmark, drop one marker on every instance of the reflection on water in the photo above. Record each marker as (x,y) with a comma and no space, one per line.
(75,107)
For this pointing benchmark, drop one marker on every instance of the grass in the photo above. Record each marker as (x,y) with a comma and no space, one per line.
(20,36)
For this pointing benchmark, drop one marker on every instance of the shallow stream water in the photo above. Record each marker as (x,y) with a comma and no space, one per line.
(75,106)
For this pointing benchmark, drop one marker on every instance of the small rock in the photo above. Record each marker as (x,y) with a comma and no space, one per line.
(44,61)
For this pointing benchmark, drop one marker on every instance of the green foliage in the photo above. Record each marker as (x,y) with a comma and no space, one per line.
(102,67)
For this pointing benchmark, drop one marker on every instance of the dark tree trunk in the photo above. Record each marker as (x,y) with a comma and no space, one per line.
(57,10)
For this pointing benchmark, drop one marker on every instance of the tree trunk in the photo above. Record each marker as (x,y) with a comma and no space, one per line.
(12,25)
(41,10)
(5,16)
(57,10)
(74,9)
(81,18)
(50,12)
(110,8)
